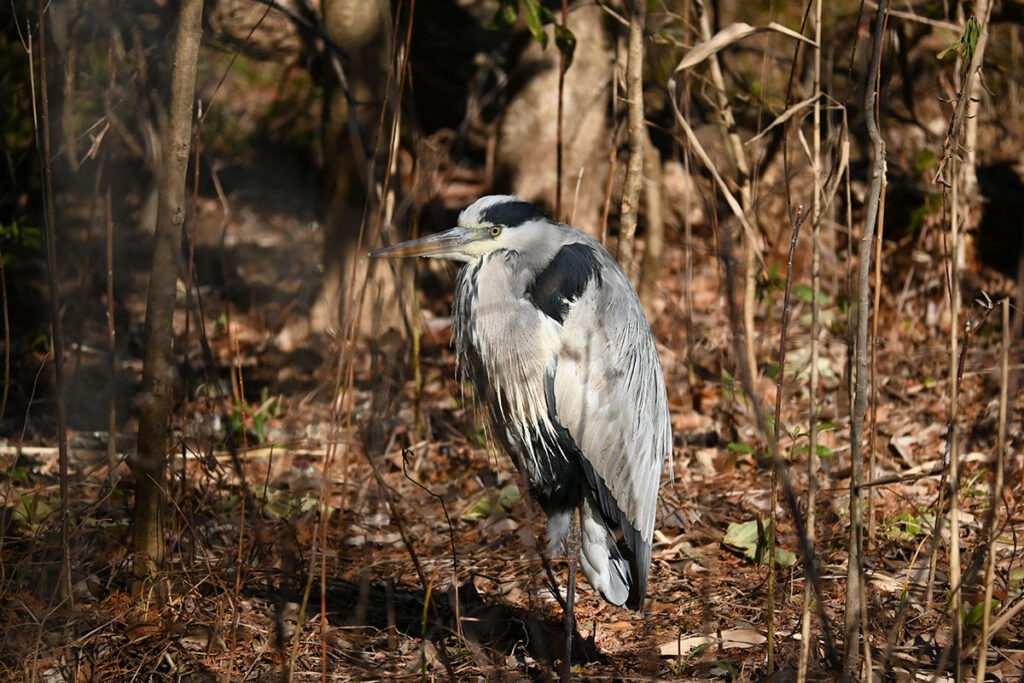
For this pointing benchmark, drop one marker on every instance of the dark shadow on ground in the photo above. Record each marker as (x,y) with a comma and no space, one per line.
(494,630)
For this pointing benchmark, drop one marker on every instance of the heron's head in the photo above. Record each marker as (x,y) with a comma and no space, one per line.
(490,223)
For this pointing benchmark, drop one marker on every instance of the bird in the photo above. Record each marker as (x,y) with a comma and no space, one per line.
(553,338)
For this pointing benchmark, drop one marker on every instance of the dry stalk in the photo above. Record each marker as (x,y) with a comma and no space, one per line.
(237,590)
(950,179)
(812,452)
(687,302)
(874,358)
(7,337)
(774,496)
(997,493)
(342,418)
(738,159)
(947,176)
(111,345)
(961,110)
(729,263)
(559,141)
(781,374)
(956,597)
(983,8)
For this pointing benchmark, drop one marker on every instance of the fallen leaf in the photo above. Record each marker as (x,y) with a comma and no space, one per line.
(745,537)
(616,626)
(730,639)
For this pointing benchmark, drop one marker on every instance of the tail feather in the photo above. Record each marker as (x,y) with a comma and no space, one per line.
(606,561)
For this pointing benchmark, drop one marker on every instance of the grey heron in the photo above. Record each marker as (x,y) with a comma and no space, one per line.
(554,339)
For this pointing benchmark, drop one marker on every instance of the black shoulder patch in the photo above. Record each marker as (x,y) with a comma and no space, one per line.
(563,280)
(511,214)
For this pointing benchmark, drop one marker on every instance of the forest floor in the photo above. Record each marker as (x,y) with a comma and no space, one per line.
(418,503)
(426,560)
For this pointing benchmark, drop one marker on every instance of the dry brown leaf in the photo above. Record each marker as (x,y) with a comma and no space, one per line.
(731,34)
(617,626)
(729,639)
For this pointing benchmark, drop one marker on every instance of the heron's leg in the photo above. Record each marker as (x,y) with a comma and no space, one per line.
(570,590)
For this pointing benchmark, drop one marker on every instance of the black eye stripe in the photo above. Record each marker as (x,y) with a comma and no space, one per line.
(511,213)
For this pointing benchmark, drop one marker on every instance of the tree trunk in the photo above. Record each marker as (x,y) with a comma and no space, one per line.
(637,133)
(854,578)
(525,152)
(158,372)
(654,244)
(354,97)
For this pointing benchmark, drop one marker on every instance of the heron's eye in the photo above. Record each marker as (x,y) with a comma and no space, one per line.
(495,231)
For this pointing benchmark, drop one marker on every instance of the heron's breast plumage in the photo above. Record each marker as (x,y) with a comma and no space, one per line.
(507,346)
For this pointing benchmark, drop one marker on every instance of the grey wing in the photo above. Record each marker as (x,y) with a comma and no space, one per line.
(609,393)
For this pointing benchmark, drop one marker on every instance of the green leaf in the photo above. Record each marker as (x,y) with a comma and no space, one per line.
(509,496)
(480,508)
(823,451)
(784,558)
(746,537)
(275,508)
(30,512)
(806,294)
(742,536)
(565,41)
(1016,577)
(971,32)
(535,22)
(741,448)
(968,41)
(974,617)
(696,652)
(507,13)
(952,46)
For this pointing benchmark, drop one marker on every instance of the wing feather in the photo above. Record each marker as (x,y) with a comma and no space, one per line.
(609,394)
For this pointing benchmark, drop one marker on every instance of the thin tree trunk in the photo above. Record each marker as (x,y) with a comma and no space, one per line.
(812,427)
(56,326)
(860,401)
(654,245)
(635,108)
(158,371)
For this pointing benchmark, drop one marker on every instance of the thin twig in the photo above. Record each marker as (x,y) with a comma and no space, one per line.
(406,452)
(795,223)
(997,493)
(917,18)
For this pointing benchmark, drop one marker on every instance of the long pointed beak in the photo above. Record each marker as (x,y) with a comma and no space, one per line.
(445,244)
